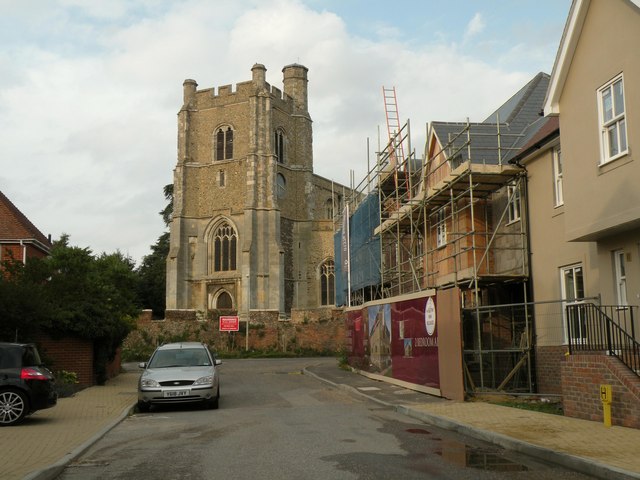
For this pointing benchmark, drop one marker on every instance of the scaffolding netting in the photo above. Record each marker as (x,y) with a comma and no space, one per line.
(364,250)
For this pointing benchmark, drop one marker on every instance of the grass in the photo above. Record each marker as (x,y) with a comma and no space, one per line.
(554,408)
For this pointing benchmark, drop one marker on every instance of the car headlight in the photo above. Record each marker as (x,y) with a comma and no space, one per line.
(149,383)
(208,380)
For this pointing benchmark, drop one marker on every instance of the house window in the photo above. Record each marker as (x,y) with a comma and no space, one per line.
(225,242)
(557,177)
(621,276)
(221,178)
(572,284)
(441,228)
(613,125)
(224,143)
(279,145)
(327,283)
(513,192)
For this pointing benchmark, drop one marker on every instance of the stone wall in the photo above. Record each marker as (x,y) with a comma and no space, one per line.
(321,333)
(582,376)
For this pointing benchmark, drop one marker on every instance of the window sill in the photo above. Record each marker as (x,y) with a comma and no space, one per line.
(616,158)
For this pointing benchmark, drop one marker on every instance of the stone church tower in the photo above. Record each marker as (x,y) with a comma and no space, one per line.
(252,227)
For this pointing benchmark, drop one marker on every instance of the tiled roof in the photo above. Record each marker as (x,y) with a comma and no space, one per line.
(519,118)
(14,225)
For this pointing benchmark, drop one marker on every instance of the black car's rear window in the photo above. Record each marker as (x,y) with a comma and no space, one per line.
(19,356)
(31,358)
(11,357)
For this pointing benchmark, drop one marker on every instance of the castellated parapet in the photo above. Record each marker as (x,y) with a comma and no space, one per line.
(293,98)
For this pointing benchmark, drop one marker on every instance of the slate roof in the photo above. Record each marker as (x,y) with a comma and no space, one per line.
(519,118)
(14,225)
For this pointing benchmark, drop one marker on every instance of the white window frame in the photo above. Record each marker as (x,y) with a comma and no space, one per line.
(558,194)
(441,228)
(616,123)
(515,206)
(621,277)
(573,297)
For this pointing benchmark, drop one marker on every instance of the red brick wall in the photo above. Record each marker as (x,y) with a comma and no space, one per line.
(548,362)
(113,367)
(70,354)
(582,376)
(15,251)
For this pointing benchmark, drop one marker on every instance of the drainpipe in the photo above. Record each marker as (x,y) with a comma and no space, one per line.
(24,252)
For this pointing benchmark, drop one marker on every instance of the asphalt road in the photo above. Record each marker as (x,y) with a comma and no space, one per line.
(276,423)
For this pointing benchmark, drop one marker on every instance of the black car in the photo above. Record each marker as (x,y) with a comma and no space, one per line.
(25,384)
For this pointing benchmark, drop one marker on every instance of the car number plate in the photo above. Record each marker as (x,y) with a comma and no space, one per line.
(176,393)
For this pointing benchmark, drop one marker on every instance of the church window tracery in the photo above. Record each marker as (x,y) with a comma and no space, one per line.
(224,143)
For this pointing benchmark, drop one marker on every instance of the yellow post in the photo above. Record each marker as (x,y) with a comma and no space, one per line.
(605,396)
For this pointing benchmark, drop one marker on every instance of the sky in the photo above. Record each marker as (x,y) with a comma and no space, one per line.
(90,89)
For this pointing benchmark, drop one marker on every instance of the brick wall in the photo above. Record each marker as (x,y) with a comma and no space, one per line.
(548,363)
(582,376)
(70,354)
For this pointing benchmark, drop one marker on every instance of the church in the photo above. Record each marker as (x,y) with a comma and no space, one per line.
(252,227)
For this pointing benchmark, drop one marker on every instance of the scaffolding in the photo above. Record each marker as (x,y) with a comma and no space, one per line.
(448,220)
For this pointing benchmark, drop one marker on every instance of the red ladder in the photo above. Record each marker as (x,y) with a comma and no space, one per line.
(396,149)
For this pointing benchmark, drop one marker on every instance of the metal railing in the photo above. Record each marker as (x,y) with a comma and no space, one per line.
(594,328)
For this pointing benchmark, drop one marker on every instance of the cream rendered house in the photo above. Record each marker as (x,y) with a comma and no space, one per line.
(583,182)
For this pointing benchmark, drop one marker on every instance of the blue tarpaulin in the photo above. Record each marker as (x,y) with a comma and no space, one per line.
(364,250)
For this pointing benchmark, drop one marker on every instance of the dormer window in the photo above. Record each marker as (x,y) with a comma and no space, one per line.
(224,143)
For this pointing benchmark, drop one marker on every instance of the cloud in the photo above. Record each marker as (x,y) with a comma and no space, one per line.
(88,103)
(475,26)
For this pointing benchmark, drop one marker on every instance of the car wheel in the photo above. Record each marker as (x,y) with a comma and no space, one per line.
(143,407)
(13,407)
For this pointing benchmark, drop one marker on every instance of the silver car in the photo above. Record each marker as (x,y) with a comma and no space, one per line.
(181,372)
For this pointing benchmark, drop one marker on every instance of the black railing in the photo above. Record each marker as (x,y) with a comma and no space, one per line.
(611,329)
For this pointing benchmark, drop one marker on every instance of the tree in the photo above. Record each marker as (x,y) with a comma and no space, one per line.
(153,274)
(153,269)
(22,299)
(72,292)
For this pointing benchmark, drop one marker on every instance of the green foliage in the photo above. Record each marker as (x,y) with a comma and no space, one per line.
(63,376)
(73,293)
(152,274)
(22,299)
(554,408)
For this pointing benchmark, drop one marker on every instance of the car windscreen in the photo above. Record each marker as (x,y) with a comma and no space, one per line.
(180,357)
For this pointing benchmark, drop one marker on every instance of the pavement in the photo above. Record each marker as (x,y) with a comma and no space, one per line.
(47,441)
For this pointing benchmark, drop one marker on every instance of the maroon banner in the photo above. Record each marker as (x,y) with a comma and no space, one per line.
(414,342)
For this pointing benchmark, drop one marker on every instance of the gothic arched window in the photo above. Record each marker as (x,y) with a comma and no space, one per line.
(329,209)
(327,283)
(224,250)
(224,143)
(278,143)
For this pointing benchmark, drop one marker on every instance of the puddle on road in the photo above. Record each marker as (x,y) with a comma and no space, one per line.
(463,455)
